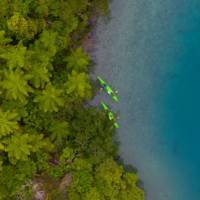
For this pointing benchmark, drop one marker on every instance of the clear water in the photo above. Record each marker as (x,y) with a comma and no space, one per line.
(149,51)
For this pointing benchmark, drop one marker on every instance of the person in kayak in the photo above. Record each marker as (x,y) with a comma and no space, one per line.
(111,116)
(108,89)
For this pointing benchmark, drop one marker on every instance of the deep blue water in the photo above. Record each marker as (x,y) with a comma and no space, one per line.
(150,52)
(180,101)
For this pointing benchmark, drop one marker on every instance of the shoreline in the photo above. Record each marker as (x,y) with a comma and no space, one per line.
(90,44)
(103,57)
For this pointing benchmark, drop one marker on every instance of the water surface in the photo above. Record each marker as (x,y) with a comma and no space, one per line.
(149,51)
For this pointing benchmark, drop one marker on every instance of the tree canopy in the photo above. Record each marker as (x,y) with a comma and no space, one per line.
(47,132)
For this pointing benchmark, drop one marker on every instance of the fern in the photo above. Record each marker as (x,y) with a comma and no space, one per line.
(8,123)
(50,99)
(16,86)
(78,60)
(37,142)
(38,66)
(47,43)
(15,106)
(59,131)
(15,56)
(3,39)
(39,76)
(18,147)
(78,85)
(22,27)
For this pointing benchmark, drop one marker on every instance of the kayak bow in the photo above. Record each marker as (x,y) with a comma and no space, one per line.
(111,116)
(108,89)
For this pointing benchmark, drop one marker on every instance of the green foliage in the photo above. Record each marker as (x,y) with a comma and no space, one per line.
(38,67)
(16,107)
(78,86)
(93,135)
(82,181)
(3,39)
(20,146)
(50,99)
(8,122)
(78,60)
(42,159)
(108,176)
(93,194)
(114,183)
(59,131)
(16,85)
(46,131)
(21,6)
(47,43)
(107,181)
(102,6)
(14,55)
(22,27)
(67,155)
(13,177)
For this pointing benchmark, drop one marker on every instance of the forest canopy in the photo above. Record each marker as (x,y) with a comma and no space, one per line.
(51,144)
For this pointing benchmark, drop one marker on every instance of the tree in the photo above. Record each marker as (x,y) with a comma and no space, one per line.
(59,131)
(22,6)
(78,60)
(82,178)
(116,184)
(16,86)
(14,106)
(50,99)
(80,164)
(8,122)
(108,179)
(68,154)
(45,126)
(92,136)
(102,6)
(14,55)
(78,85)
(93,194)
(23,28)
(38,67)
(82,181)
(12,177)
(131,191)
(20,146)
(39,76)
(47,43)
(4,40)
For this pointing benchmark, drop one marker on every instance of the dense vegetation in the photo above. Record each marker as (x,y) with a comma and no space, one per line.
(48,138)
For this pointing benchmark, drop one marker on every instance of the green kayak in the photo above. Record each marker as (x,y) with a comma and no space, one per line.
(111,116)
(105,106)
(108,89)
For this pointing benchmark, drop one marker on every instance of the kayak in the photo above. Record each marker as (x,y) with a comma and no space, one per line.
(111,116)
(108,89)
(116,125)
(105,106)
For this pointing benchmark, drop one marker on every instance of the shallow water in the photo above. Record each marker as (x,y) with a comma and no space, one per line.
(149,51)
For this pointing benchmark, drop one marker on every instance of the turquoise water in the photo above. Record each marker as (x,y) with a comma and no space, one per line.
(149,51)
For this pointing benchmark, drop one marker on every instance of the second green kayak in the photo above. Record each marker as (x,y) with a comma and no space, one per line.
(108,89)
